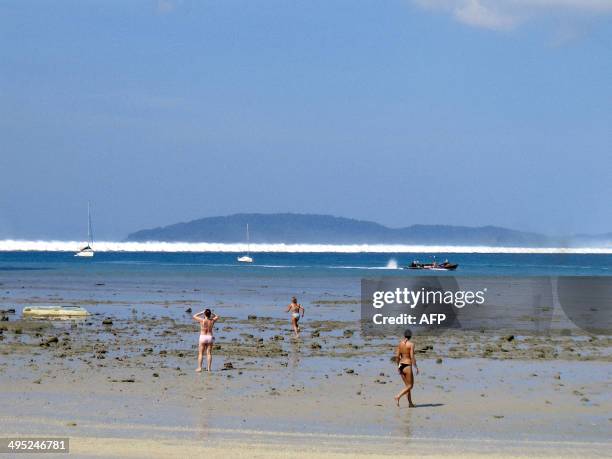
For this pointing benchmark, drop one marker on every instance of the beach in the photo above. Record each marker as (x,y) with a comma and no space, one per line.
(122,381)
(128,404)
(387,221)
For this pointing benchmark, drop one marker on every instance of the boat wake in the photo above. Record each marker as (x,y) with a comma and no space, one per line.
(12,245)
(392,264)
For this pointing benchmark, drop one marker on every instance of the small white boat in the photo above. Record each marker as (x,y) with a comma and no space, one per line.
(87,251)
(55,311)
(247,258)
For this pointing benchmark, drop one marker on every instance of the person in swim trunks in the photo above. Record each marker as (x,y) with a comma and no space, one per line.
(206,340)
(296,310)
(405,361)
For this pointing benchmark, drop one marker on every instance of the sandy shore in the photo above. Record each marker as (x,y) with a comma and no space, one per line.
(122,383)
(142,395)
(309,447)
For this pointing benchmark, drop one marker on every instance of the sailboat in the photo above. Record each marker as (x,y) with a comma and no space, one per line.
(247,258)
(87,251)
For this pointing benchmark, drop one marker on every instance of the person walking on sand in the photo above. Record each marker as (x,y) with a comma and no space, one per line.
(405,361)
(296,309)
(206,341)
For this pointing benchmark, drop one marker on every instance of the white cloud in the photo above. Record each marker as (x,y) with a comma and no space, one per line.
(474,13)
(507,14)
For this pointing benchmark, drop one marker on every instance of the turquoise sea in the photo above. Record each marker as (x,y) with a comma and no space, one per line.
(328,283)
(352,265)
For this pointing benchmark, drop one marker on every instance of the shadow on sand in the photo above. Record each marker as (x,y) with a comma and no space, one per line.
(428,405)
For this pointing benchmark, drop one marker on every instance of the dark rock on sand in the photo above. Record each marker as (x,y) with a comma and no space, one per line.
(107,321)
(188,310)
(252,317)
(424,349)
(509,338)
(4,319)
(315,345)
(49,341)
(228,366)
(438,360)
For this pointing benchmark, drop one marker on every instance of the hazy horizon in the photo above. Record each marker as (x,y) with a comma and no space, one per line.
(403,112)
(568,238)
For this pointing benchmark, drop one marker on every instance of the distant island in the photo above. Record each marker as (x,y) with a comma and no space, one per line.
(290,228)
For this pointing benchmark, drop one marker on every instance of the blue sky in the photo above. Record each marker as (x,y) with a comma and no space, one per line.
(466,112)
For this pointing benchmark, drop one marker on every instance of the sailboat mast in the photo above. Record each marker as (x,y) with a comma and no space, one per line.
(89,233)
(248,242)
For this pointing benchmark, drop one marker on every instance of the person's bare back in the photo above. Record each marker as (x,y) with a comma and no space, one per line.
(206,326)
(405,349)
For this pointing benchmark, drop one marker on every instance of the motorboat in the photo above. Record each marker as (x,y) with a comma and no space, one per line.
(434,266)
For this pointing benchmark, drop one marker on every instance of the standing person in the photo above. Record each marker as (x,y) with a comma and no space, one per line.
(206,341)
(295,310)
(405,361)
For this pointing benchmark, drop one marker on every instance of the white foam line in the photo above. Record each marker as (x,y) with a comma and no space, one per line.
(11,245)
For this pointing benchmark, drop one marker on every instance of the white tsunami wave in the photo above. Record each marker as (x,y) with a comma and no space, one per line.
(10,245)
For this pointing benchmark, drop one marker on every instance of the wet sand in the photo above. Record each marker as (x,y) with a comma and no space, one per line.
(122,382)
(308,446)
